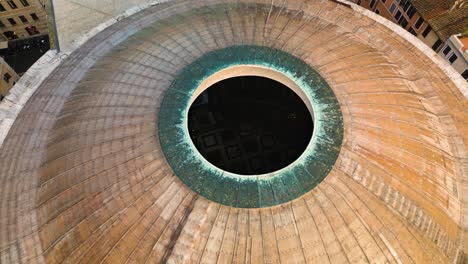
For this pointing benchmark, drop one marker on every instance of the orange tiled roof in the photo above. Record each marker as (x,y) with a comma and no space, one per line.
(446,17)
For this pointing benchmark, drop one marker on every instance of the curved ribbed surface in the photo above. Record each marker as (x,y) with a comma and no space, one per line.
(83,178)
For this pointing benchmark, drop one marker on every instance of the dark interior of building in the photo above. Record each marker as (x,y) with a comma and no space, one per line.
(250,125)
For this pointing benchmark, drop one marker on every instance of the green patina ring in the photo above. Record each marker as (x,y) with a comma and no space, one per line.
(240,190)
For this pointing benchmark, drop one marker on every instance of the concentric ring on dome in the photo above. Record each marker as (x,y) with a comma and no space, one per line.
(261,190)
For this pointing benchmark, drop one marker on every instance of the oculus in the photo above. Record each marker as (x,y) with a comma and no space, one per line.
(250,125)
(244,189)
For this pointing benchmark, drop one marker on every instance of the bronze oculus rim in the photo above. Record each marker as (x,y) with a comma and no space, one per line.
(256,191)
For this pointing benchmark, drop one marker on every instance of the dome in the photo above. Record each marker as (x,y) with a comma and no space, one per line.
(94,167)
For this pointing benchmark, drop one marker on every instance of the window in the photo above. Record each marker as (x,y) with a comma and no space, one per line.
(12,4)
(412,31)
(437,44)
(377,11)
(453,58)
(411,12)
(419,22)
(392,8)
(12,21)
(426,31)
(447,50)
(359,2)
(32,30)
(34,16)
(465,74)
(24,2)
(372,4)
(407,6)
(10,35)
(2,9)
(23,19)
(383,1)
(403,22)
(397,15)
(7,77)
(1,24)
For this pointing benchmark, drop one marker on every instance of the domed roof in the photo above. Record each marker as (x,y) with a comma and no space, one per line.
(84,178)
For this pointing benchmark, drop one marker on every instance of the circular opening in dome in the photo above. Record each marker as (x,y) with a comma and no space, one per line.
(250,125)
(321,144)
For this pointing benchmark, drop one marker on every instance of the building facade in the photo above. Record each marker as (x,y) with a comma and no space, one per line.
(455,52)
(434,22)
(9,78)
(21,19)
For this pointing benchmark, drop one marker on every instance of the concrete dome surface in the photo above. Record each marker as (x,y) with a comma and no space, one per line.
(83,178)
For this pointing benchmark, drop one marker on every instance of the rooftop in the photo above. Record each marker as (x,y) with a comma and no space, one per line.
(446,17)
